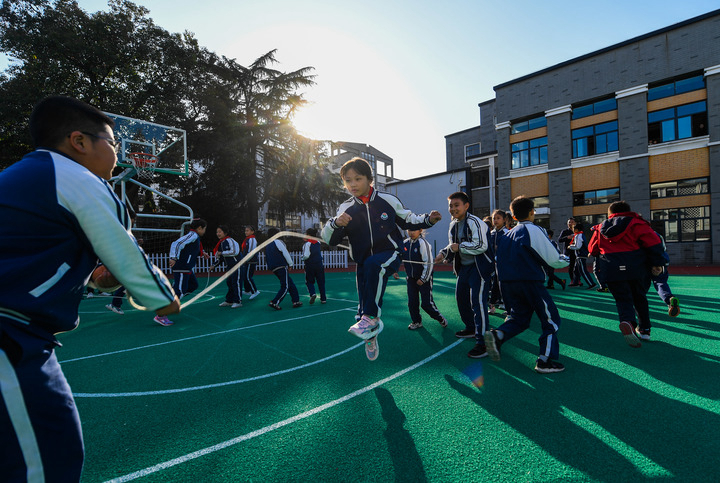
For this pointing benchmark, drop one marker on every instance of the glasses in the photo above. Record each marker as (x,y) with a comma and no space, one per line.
(115,143)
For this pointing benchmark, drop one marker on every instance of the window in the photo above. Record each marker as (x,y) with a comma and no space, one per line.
(684,224)
(683,187)
(598,139)
(596,197)
(541,202)
(292,221)
(472,150)
(529,153)
(679,122)
(529,125)
(481,178)
(595,108)
(677,87)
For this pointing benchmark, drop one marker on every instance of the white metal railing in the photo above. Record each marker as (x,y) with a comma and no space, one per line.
(331,259)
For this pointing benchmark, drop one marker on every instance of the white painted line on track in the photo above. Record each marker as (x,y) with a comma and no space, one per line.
(198,337)
(219,384)
(278,425)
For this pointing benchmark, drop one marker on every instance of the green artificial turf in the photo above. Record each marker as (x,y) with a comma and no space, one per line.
(254,394)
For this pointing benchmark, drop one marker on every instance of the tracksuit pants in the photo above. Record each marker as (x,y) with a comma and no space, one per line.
(631,298)
(315,274)
(423,292)
(247,272)
(661,286)
(184,282)
(472,292)
(40,430)
(286,285)
(233,295)
(371,278)
(523,299)
(581,271)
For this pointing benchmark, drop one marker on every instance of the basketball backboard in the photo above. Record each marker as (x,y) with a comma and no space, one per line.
(168,144)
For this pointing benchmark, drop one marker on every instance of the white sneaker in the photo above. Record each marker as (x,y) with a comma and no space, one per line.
(225,304)
(253,295)
(367,328)
(117,310)
(415,325)
(234,306)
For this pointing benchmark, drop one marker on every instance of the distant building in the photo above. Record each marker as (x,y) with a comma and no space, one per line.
(639,121)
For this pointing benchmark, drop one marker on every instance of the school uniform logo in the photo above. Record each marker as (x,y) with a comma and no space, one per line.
(384,217)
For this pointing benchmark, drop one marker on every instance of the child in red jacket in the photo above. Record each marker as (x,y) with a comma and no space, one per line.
(628,251)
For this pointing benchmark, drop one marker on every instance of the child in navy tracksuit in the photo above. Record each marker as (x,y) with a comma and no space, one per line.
(184,253)
(227,251)
(60,216)
(370,220)
(314,269)
(247,271)
(579,246)
(419,277)
(628,252)
(473,263)
(522,256)
(279,262)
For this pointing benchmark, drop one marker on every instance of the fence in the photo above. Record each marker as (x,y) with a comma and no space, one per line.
(331,259)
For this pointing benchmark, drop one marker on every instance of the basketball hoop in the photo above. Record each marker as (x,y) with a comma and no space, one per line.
(144,163)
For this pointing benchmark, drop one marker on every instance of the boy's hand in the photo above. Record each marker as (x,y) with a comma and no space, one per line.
(435,216)
(173,308)
(396,276)
(343,220)
(656,271)
(171,262)
(439,258)
(420,283)
(455,247)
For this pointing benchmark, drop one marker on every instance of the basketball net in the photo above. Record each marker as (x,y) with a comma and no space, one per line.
(144,164)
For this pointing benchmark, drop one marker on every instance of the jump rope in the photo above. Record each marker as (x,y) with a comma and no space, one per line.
(244,260)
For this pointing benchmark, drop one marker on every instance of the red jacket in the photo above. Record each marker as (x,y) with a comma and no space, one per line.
(626,247)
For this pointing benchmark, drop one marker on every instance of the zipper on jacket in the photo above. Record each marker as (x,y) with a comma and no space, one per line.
(367,208)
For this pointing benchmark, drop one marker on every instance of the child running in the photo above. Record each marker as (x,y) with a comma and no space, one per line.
(521,256)
(314,268)
(419,277)
(370,220)
(227,251)
(279,262)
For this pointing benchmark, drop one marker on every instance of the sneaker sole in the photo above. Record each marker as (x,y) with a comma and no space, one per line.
(629,333)
(164,324)
(469,336)
(473,356)
(368,335)
(372,349)
(674,309)
(548,370)
(312,299)
(414,327)
(491,347)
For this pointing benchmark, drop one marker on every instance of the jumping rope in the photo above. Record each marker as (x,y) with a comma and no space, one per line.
(245,259)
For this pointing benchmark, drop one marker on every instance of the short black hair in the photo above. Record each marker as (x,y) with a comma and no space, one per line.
(619,207)
(225,229)
(251,227)
(459,195)
(550,233)
(273,231)
(54,117)
(579,227)
(360,166)
(521,207)
(311,232)
(198,223)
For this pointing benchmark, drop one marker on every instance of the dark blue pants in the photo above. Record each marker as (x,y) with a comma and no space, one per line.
(631,298)
(524,299)
(661,286)
(422,292)
(315,274)
(118,296)
(472,292)
(286,285)
(371,277)
(552,278)
(39,423)
(580,271)
(233,295)
(247,272)
(184,283)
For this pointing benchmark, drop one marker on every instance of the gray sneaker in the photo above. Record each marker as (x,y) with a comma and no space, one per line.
(415,326)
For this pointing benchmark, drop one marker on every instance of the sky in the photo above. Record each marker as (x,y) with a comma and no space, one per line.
(400,75)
